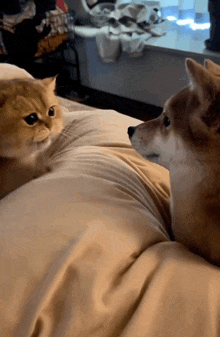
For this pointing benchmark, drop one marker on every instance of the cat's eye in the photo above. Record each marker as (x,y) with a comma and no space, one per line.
(51,112)
(166,121)
(31,119)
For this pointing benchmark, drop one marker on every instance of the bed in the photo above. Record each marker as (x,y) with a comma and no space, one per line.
(85,249)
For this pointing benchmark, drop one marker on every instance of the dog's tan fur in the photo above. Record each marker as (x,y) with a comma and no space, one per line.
(190,148)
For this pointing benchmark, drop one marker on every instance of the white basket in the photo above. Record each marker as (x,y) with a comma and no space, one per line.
(101,13)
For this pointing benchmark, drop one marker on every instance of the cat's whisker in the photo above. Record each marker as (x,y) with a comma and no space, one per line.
(67,128)
(57,145)
(65,134)
(59,154)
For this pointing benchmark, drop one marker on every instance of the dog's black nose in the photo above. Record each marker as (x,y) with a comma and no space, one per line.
(131,130)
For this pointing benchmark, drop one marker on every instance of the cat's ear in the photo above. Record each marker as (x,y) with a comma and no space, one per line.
(3,97)
(50,82)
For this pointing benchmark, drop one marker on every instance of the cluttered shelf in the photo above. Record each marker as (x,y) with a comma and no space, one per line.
(180,39)
(140,27)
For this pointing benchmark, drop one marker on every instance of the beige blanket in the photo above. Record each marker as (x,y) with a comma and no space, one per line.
(85,249)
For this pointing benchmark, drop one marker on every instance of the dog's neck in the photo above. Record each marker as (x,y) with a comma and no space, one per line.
(195,210)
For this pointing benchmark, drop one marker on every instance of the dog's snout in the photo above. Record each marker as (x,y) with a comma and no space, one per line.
(131,131)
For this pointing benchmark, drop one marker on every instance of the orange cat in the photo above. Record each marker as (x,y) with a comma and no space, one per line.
(29,117)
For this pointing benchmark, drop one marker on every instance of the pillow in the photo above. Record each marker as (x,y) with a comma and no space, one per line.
(85,249)
(8,71)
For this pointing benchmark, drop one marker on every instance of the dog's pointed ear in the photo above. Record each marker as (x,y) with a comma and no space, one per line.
(212,67)
(200,80)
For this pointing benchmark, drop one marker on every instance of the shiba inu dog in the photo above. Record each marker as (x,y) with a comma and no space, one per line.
(185,139)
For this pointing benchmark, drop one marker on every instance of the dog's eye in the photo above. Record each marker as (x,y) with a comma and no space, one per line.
(166,121)
(31,119)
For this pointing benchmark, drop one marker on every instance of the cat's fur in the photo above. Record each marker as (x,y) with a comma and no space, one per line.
(23,101)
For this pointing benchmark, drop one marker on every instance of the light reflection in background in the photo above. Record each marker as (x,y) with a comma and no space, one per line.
(192,14)
(194,18)
(190,22)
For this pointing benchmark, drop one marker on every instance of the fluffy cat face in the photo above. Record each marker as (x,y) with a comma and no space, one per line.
(29,116)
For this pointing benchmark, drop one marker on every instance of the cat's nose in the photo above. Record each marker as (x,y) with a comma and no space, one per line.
(131,131)
(48,122)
